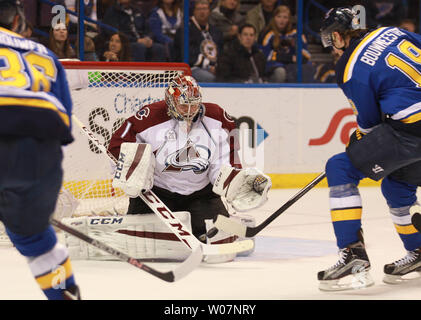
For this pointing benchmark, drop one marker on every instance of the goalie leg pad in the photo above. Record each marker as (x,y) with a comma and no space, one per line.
(142,236)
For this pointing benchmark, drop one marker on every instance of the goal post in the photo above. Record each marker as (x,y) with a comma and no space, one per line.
(104,94)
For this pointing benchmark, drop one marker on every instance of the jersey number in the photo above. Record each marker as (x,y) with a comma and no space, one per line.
(411,52)
(42,70)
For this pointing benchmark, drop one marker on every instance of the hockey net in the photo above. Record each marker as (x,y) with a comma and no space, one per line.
(104,95)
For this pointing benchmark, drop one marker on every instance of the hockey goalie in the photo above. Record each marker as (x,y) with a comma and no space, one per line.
(185,151)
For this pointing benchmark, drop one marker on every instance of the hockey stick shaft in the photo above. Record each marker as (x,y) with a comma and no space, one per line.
(166,215)
(182,270)
(228,225)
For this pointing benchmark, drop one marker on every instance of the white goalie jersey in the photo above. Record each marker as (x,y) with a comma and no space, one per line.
(185,162)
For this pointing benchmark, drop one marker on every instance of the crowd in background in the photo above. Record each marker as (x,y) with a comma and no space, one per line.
(227,43)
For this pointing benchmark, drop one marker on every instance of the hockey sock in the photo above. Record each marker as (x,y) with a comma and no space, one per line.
(346,211)
(48,260)
(410,236)
(400,197)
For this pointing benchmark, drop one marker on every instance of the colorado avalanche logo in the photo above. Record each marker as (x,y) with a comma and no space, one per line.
(190,157)
(142,113)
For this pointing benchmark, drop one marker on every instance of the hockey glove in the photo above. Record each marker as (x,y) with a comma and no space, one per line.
(135,169)
(243,189)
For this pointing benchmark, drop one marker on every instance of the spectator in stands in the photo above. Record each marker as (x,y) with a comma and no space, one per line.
(102,7)
(205,43)
(118,48)
(326,72)
(227,18)
(384,12)
(164,21)
(29,32)
(90,11)
(59,43)
(213,4)
(278,42)
(145,6)
(242,60)
(127,19)
(89,50)
(260,15)
(409,25)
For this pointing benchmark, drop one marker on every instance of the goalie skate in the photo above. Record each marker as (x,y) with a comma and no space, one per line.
(350,272)
(405,269)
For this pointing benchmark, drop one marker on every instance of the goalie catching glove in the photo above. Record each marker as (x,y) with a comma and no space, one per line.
(135,168)
(243,189)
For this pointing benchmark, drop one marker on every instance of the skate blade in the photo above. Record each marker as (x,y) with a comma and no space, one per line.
(410,277)
(356,281)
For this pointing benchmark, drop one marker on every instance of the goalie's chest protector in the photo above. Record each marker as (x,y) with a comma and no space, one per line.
(185,162)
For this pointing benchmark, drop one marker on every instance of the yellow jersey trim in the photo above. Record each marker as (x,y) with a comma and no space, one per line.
(36,103)
(355,54)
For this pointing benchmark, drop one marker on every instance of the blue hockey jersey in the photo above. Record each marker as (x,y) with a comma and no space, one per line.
(380,75)
(34,96)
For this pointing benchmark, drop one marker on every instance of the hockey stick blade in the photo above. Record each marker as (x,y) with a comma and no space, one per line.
(181,271)
(415,212)
(231,226)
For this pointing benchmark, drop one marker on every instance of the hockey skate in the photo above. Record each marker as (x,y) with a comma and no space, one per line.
(72,293)
(350,272)
(403,269)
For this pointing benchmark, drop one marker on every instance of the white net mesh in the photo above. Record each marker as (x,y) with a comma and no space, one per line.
(102,99)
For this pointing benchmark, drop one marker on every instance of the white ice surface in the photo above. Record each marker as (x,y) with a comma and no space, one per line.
(284,266)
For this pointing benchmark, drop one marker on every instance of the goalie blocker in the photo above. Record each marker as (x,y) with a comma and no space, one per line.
(135,168)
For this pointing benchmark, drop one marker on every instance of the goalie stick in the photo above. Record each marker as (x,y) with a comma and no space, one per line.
(181,271)
(231,226)
(166,216)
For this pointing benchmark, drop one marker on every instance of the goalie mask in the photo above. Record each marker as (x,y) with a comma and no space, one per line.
(183,98)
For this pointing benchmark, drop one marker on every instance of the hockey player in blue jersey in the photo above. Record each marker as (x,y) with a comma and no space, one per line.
(380,74)
(35,110)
